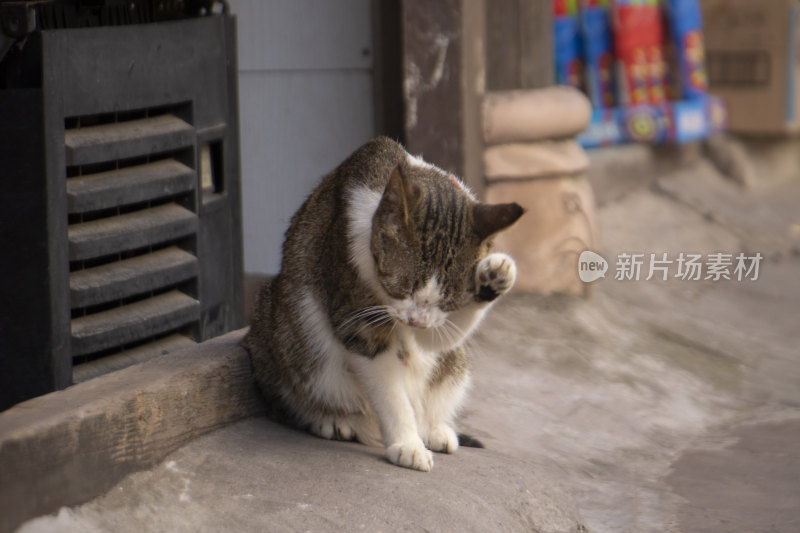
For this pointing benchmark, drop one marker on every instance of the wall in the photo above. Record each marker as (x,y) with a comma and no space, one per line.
(306,102)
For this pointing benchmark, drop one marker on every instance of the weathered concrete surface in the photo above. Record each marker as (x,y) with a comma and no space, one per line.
(614,391)
(258,476)
(749,485)
(656,377)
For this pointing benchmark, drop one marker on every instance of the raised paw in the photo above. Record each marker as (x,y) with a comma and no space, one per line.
(494,276)
(442,438)
(410,455)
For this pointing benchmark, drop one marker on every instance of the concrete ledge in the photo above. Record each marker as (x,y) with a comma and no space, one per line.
(70,446)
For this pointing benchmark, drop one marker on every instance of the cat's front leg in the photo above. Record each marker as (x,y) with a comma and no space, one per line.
(494,276)
(383,380)
(446,392)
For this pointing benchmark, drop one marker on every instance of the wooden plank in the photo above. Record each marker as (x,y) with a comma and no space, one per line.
(138,275)
(130,231)
(133,322)
(67,448)
(128,186)
(124,140)
(474,87)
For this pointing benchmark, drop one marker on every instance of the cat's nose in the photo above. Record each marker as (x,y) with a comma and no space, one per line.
(418,323)
(420,318)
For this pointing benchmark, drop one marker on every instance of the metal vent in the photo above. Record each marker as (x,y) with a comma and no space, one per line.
(131,196)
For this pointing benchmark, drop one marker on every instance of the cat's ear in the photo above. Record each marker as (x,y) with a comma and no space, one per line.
(399,197)
(488,219)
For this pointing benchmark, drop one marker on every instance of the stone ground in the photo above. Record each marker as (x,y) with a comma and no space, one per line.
(656,406)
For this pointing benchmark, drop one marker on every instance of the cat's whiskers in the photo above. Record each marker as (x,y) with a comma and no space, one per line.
(451,338)
(365,319)
(467,341)
(373,310)
(444,335)
(436,336)
(375,321)
(394,325)
(457,334)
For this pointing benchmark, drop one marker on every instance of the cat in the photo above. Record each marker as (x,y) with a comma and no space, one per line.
(387,268)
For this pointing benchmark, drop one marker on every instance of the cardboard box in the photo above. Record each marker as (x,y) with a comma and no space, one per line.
(752,61)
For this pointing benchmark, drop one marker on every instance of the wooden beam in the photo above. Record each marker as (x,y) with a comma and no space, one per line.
(387,68)
(432,86)
(519,44)
(71,446)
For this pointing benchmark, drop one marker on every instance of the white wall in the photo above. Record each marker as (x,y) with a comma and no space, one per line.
(305,103)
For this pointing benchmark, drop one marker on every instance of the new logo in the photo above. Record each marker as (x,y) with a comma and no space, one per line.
(591,266)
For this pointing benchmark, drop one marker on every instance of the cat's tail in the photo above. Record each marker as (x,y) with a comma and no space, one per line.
(469,441)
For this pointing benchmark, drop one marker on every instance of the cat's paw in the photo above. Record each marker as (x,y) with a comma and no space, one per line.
(494,276)
(410,455)
(331,428)
(442,438)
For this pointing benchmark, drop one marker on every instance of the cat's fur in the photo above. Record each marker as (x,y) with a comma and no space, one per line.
(386,269)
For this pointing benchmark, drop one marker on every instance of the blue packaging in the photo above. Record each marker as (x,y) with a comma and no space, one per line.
(567,45)
(598,51)
(686,30)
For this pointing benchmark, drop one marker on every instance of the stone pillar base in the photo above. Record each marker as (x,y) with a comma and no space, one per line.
(559,224)
(547,178)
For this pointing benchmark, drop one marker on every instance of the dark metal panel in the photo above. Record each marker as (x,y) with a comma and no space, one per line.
(125,140)
(57,222)
(118,361)
(28,329)
(130,231)
(129,186)
(187,66)
(139,275)
(220,234)
(102,70)
(133,322)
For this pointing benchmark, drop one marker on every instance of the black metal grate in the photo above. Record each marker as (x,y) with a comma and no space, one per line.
(83,14)
(132,208)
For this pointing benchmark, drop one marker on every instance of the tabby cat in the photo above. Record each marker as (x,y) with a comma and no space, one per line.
(386,270)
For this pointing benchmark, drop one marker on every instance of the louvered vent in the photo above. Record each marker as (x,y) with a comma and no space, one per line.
(131,194)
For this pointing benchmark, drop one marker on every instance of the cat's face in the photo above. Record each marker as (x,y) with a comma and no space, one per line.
(428,235)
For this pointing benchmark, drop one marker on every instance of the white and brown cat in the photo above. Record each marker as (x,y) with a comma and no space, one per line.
(387,268)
